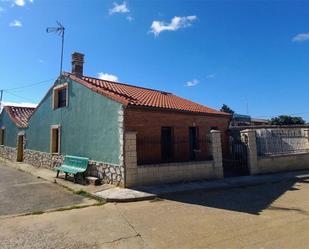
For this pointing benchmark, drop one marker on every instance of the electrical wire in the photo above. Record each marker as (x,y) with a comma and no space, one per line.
(30,85)
(21,97)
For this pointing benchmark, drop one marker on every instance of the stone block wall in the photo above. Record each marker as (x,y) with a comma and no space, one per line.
(42,159)
(171,172)
(274,163)
(108,173)
(8,153)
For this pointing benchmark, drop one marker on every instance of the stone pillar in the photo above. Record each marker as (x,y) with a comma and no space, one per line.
(130,159)
(217,152)
(249,138)
(306,134)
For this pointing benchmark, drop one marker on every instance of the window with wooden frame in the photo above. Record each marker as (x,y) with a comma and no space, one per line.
(60,96)
(2,131)
(55,139)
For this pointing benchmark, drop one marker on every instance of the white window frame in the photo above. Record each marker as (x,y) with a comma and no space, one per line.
(55,127)
(55,100)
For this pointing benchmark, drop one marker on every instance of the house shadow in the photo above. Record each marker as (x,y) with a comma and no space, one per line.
(252,199)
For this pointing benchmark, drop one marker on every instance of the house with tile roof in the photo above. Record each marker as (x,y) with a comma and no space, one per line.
(13,123)
(128,132)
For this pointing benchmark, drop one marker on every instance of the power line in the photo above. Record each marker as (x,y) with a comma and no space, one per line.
(10,93)
(30,85)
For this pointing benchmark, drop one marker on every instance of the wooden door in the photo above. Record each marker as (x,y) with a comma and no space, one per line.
(20,148)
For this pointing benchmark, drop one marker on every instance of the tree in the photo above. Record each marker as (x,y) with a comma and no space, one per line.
(287,120)
(226,109)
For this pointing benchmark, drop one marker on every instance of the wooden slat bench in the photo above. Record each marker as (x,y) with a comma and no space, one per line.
(73,165)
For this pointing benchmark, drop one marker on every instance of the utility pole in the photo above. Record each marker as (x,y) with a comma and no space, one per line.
(1,95)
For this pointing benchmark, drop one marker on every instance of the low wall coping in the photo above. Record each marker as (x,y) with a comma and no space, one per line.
(283,155)
(180,164)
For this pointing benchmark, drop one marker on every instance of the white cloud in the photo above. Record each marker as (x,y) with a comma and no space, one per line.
(106,76)
(211,76)
(130,18)
(119,8)
(20,3)
(301,37)
(16,23)
(176,23)
(193,82)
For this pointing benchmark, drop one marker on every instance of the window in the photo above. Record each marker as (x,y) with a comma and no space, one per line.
(55,140)
(193,142)
(2,136)
(60,96)
(166,143)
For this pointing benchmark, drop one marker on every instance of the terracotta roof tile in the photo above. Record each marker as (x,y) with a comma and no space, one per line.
(19,115)
(139,96)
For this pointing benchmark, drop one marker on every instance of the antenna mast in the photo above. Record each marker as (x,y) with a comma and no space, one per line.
(60,31)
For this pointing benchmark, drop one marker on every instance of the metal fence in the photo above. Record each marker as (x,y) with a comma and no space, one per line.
(281,141)
(152,150)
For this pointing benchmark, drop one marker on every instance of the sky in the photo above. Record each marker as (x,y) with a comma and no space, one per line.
(251,55)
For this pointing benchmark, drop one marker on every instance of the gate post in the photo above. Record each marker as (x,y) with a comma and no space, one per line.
(217,152)
(249,138)
(306,134)
(130,159)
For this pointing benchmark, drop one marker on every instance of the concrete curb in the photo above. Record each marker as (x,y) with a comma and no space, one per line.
(226,183)
(151,192)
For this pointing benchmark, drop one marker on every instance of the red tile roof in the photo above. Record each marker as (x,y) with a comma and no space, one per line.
(19,115)
(138,96)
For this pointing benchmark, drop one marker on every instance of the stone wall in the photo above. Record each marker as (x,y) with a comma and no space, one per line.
(273,163)
(282,163)
(42,159)
(8,153)
(108,173)
(170,172)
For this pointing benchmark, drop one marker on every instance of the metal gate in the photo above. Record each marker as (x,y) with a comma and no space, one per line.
(236,163)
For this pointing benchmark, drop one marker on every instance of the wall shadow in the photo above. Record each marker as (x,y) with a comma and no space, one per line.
(252,199)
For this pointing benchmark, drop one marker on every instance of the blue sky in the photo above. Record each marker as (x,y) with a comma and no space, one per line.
(241,53)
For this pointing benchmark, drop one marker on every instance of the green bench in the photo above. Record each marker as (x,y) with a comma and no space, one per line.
(73,165)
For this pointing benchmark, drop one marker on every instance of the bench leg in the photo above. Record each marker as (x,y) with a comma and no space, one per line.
(66,176)
(57,173)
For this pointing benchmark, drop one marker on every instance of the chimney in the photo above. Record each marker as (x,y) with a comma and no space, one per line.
(77,64)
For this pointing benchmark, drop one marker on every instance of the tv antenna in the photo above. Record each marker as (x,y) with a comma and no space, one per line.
(60,31)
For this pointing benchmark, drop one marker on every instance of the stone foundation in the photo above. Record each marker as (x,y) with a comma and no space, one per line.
(108,173)
(8,153)
(42,159)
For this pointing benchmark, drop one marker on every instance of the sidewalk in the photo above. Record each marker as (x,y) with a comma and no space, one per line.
(111,193)
(50,175)
(148,192)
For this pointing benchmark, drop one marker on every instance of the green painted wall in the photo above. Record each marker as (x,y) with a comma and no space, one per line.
(11,130)
(89,125)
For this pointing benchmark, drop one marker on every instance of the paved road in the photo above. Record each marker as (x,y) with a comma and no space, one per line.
(261,217)
(24,193)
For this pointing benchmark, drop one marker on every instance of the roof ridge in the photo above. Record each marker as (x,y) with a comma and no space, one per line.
(19,106)
(140,96)
(125,84)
